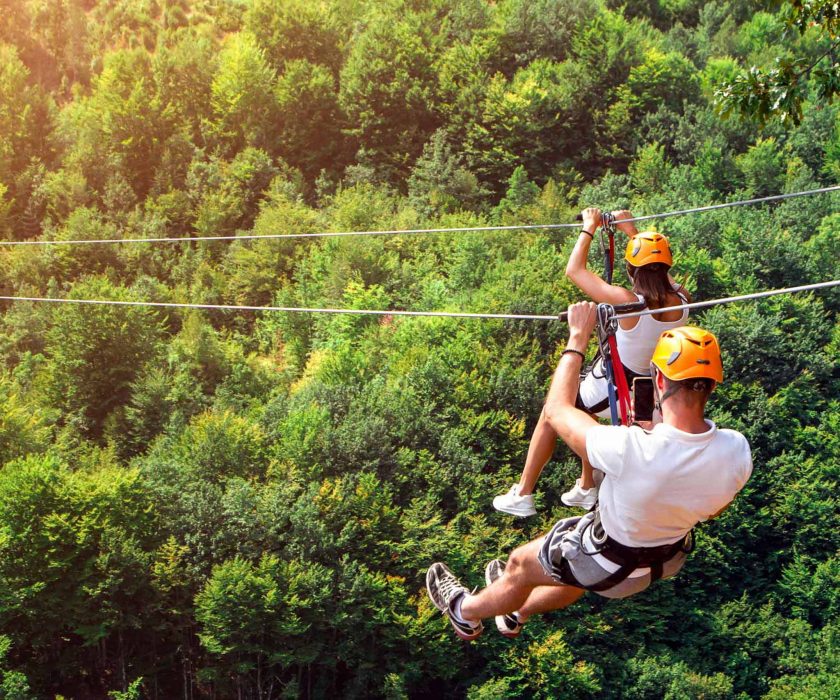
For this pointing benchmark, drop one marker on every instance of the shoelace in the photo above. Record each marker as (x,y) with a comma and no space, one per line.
(448,586)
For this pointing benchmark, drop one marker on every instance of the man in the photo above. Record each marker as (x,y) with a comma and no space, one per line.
(657,486)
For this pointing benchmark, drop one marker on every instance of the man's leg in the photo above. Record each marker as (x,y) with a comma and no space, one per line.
(547,598)
(523,574)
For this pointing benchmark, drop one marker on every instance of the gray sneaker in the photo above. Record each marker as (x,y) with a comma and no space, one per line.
(514,504)
(444,590)
(509,625)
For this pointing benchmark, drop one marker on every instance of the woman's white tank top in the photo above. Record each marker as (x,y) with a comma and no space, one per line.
(635,347)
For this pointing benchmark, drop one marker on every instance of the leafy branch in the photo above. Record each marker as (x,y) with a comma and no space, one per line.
(779,91)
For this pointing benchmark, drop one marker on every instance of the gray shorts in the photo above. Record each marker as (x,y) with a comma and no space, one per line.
(570,539)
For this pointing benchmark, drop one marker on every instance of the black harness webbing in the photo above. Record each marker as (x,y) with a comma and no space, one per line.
(628,558)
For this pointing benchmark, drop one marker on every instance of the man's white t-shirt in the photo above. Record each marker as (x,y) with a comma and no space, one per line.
(659,484)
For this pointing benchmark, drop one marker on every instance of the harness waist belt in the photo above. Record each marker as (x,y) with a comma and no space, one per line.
(619,553)
(631,558)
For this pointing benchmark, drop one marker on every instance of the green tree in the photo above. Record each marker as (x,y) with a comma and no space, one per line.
(310,121)
(25,121)
(72,564)
(227,193)
(195,365)
(660,678)
(650,169)
(67,263)
(61,30)
(549,670)
(13,684)
(521,191)
(95,353)
(262,620)
(183,70)
(298,30)
(761,93)
(440,182)
(254,269)
(218,446)
(241,96)
(526,31)
(24,428)
(762,168)
(388,92)
(661,78)
(533,120)
(115,138)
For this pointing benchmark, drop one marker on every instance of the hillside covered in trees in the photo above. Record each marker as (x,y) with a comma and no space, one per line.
(211,504)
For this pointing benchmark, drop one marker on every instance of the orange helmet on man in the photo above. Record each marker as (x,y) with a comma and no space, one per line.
(647,248)
(688,352)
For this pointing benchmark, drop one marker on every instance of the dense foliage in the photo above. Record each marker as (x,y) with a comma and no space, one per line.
(242,505)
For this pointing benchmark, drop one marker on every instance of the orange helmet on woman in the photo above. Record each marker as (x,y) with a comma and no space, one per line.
(648,247)
(688,353)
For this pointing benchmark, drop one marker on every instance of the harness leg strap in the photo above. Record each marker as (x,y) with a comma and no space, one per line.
(616,577)
(655,571)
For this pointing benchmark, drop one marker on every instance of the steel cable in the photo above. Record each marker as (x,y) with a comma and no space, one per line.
(399,312)
(407,232)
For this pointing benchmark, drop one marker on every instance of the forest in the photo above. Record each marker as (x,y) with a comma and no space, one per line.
(220,504)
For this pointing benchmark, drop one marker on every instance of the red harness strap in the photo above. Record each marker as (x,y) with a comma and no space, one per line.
(622,390)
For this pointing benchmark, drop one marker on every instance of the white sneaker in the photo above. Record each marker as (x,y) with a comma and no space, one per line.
(579,496)
(514,504)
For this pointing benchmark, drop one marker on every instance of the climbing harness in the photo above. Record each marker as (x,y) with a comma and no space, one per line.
(583,536)
(618,392)
(628,558)
(600,361)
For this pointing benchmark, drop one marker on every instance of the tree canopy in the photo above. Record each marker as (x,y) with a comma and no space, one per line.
(209,504)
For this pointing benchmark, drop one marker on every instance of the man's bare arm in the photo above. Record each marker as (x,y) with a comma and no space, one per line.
(570,423)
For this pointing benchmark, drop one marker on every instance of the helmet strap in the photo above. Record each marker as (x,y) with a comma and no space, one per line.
(657,402)
(658,398)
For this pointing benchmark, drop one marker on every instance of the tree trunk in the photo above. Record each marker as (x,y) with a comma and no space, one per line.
(121,653)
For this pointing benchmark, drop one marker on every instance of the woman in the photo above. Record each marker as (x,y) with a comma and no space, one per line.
(648,259)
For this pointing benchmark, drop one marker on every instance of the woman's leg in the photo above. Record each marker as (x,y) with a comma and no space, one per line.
(543,442)
(594,393)
(587,478)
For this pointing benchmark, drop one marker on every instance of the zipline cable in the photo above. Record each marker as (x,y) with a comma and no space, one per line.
(741,203)
(440,314)
(730,300)
(292,309)
(405,232)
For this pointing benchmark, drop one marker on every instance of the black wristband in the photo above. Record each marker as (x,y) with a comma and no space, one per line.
(591,235)
(576,352)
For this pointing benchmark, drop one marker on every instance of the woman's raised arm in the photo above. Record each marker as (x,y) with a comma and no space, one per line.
(587,281)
